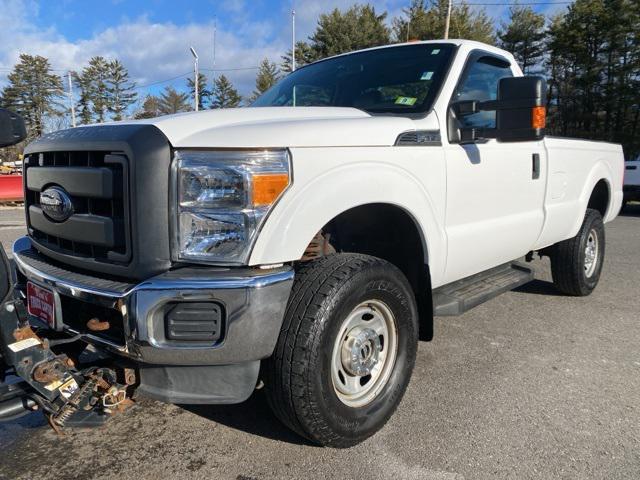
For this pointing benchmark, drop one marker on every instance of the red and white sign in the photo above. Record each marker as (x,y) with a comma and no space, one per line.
(41,303)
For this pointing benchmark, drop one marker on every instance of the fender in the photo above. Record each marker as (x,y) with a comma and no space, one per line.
(328,187)
(600,171)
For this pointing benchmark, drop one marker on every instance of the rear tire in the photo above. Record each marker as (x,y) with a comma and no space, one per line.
(576,263)
(346,350)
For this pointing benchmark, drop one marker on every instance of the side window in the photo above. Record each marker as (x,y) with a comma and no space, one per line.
(480,82)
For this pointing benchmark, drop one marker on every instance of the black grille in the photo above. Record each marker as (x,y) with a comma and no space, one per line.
(97,185)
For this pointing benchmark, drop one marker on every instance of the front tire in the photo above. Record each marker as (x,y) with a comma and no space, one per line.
(576,263)
(346,350)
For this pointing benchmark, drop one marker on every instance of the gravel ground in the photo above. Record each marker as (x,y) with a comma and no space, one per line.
(529,385)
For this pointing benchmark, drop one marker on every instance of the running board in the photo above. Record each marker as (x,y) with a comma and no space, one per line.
(461,296)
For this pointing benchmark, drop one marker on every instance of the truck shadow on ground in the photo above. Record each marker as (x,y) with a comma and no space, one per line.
(539,287)
(253,416)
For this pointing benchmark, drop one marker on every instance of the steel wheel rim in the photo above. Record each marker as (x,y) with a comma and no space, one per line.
(591,254)
(364,353)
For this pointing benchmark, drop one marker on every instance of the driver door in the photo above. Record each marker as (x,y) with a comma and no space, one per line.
(495,191)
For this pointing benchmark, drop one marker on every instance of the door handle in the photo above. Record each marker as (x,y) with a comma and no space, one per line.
(535,166)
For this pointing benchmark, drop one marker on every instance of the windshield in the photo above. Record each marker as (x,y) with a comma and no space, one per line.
(398,80)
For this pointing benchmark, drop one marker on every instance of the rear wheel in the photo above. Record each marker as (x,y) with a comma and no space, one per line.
(576,263)
(346,350)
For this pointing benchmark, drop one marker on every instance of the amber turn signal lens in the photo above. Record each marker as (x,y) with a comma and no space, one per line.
(538,117)
(267,187)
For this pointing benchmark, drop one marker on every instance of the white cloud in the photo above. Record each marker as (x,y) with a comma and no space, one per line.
(153,52)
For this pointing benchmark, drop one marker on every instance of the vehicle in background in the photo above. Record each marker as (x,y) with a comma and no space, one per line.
(12,131)
(631,186)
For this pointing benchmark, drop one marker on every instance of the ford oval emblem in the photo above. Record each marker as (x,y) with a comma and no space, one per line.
(56,204)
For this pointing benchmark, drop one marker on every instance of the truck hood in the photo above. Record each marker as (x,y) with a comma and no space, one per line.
(266,127)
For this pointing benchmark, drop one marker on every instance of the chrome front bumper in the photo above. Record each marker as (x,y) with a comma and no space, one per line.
(254,302)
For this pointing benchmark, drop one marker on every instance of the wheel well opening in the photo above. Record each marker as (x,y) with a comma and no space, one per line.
(599,199)
(388,232)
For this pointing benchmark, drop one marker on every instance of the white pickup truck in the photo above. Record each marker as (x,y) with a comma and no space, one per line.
(308,241)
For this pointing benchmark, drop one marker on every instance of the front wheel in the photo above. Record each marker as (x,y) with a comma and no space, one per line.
(346,351)
(576,263)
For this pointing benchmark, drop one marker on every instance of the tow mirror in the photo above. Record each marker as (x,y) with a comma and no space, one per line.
(520,111)
(12,128)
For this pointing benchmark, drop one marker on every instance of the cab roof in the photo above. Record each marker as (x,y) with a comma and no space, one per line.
(464,45)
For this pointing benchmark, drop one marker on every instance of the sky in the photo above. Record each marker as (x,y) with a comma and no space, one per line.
(152,37)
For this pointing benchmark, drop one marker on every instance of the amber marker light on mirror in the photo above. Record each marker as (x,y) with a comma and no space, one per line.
(538,117)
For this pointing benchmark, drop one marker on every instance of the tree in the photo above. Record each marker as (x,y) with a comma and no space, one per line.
(104,88)
(356,28)
(304,55)
(524,36)
(223,94)
(172,101)
(33,92)
(92,82)
(98,74)
(421,23)
(594,72)
(470,24)
(83,105)
(424,22)
(204,94)
(150,108)
(266,78)
(120,91)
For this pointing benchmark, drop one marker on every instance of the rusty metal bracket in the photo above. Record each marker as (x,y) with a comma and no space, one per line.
(69,397)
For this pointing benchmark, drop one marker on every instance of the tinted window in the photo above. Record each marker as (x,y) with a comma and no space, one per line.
(480,82)
(388,80)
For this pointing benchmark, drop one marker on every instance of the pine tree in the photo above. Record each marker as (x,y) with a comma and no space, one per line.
(593,65)
(304,55)
(204,94)
(98,74)
(83,105)
(420,23)
(356,28)
(33,92)
(266,78)
(120,91)
(470,24)
(427,22)
(524,36)
(94,98)
(172,101)
(224,95)
(150,108)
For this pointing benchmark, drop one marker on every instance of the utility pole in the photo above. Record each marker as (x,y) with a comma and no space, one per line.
(73,108)
(293,40)
(447,21)
(196,77)
(215,31)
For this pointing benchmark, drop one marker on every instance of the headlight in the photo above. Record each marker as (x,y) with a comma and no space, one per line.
(221,200)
